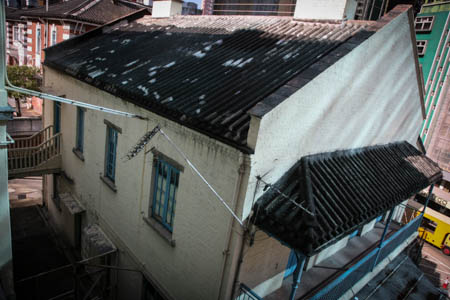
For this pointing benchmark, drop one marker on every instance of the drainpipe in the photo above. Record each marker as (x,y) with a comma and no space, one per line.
(6,271)
(240,260)
(297,274)
(241,171)
(386,227)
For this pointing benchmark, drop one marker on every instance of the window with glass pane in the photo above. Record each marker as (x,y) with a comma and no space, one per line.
(56,117)
(80,129)
(53,37)
(165,192)
(16,33)
(38,40)
(421,47)
(111,147)
(424,23)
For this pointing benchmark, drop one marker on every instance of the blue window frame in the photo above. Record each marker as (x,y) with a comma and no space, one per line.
(166,178)
(80,129)
(56,117)
(111,151)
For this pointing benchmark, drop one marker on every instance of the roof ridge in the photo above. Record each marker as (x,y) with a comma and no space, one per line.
(82,9)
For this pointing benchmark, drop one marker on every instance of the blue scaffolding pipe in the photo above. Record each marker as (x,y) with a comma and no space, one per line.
(297,274)
(380,245)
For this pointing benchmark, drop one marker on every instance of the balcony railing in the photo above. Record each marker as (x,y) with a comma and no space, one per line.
(345,281)
(246,293)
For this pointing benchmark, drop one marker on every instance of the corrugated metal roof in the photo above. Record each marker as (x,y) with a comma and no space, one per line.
(345,190)
(205,72)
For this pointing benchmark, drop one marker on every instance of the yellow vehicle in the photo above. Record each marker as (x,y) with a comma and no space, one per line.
(435,227)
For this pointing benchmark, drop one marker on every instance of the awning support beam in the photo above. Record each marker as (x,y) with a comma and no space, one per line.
(297,274)
(386,227)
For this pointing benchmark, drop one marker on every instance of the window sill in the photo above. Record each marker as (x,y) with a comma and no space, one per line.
(78,153)
(109,183)
(161,230)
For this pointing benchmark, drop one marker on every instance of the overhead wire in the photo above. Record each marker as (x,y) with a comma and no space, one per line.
(11,87)
(201,176)
(271,186)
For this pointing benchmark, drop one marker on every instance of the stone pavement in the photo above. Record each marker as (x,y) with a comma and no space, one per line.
(25,191)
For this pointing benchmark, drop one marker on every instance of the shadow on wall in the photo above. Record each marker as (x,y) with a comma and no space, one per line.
(6,281)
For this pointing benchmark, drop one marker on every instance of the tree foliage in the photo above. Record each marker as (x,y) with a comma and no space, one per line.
(23,76)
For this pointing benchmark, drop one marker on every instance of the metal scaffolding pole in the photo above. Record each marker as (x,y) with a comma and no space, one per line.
(6,275)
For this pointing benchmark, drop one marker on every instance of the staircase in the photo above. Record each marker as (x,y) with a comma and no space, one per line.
(36,155)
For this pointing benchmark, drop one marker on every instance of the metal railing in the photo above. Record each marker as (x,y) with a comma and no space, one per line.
(34,140)
(25,158)
(246,293)
(349,278)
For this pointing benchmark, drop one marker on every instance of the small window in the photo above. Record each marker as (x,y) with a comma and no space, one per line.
(80,129)
(111,151)
(429,225)
(38,40)
(424,24)
(16,33)
(53,40)
(165,187)
(56,117)
(421,47)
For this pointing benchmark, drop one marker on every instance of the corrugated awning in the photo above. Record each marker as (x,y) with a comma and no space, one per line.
(344,189)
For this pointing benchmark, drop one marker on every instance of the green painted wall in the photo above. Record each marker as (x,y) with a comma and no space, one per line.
(433,40)
(433,52)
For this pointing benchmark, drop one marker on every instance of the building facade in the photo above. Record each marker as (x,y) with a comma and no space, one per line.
(38,28)
(432,25)
(241,128)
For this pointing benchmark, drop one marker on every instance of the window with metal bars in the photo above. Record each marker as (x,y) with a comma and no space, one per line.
(80,130)
(421,47)
(424,24)
(111,151)
(165,187)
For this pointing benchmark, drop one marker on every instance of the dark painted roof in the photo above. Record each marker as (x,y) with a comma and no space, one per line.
(13,13)
(92,11)
(205,72)
(345,190)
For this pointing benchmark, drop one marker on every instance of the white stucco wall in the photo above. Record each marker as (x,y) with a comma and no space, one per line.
(190,270)
(321,9)
(368,97)
(165,9)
